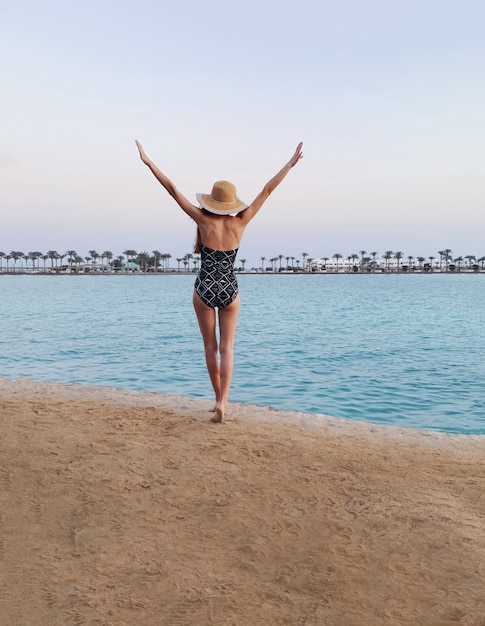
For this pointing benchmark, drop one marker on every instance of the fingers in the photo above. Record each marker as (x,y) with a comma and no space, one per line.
(298,155)
(140,150)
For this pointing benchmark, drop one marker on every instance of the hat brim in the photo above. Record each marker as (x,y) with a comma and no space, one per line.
(220,208)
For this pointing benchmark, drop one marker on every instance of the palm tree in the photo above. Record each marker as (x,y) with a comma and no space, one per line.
(470,258)
(179,260)
(33,256)
(398,257)
(166,261)
(352,258)
(71,254)
(53,256)
(447,257)
(7,258)
(373,255)
(243,263)
(108,255)
(2,254)
(94,255)
(44,258)
(441,253)
(431,259)
(304,255)
(189,256)
(387,256)
(130,255)
(142,259)
(16,255)
(420,260)
(337,256)
(157,257)
(36,256)
(263,259)
(362,252)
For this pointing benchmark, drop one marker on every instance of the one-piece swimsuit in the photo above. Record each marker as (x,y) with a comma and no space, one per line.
(216,284)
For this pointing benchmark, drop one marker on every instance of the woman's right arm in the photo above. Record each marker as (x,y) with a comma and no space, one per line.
(180,199)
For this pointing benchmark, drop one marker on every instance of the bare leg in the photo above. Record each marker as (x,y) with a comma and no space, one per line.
(220,374)
(206,316)
(227,333)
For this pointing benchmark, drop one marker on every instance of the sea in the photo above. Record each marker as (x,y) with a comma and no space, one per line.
(402,350)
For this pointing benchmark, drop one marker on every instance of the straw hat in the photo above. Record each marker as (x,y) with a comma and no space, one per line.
(222,199)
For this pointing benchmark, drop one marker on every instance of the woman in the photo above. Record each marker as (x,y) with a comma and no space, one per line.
(221,220)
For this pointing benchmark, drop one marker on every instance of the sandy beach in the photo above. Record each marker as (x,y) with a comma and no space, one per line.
(120,507)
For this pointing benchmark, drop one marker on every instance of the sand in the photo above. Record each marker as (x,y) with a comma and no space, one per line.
(132,508)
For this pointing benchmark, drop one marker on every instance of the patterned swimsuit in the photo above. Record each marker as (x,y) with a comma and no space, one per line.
(216,284)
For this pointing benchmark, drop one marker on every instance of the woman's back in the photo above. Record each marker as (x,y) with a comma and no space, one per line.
(220,232)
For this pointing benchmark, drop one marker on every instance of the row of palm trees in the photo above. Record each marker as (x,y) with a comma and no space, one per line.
(71,261)
(157,261)
(396,261)
(368,261)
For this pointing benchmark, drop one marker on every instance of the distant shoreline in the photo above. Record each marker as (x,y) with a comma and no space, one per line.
(245,273)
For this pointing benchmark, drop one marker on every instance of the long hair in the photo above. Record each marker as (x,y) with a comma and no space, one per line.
(197,243)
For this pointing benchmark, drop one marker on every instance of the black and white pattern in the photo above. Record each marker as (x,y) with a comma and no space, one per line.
(216,284)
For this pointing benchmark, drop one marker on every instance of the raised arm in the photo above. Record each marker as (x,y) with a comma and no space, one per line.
(270,186)
(179,198)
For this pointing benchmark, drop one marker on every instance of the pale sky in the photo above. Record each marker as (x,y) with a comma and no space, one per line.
(388,97)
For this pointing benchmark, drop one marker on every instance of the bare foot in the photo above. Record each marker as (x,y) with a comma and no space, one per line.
(213,410)
(219,414)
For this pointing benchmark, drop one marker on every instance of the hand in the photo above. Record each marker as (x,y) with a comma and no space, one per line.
(143,155)
(297,156)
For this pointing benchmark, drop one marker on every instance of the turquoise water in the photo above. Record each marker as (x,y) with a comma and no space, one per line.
(398,350)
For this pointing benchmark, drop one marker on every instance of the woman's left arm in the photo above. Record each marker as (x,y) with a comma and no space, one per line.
(270,186)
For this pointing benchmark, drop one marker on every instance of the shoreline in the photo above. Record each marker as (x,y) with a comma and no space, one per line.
(190,407)
(119,507)
(249,273)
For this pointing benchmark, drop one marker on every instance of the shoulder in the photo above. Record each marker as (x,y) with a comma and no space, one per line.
(249,212)
(195,213)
